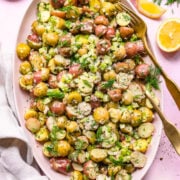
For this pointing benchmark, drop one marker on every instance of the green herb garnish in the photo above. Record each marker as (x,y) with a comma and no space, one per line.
(87,83)
(64,43)
(168,2)
(55,93)
(152,80)
(98,135)
(79,144)
(137,59)
(66,8)
(108,84)
(68,24)
(116,162)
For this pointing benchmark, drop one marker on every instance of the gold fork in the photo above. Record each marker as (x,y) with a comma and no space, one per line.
(141,29)
(171,131)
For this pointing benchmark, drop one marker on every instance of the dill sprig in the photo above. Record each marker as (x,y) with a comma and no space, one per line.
(152,80)
(168,2)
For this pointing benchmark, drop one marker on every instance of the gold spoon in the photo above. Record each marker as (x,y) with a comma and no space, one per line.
(171,131)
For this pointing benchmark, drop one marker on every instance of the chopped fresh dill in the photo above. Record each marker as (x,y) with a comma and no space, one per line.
(168,2)
(63,43)
(152,80)
(66,8)
(137,59)
(68,24)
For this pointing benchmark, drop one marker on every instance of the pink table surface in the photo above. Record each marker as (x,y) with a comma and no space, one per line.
(166,164)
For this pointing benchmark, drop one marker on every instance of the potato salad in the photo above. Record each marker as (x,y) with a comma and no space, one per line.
(82,66)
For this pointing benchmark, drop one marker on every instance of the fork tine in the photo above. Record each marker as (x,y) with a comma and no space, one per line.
(120,6)
(135,19)
(129,11)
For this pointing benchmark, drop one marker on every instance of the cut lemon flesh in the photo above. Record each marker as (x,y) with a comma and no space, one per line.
(150,9)
(168,35)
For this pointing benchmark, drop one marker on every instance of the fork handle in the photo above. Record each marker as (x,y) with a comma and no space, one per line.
(170,84)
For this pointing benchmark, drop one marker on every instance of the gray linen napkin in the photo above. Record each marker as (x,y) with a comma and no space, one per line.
(15,152)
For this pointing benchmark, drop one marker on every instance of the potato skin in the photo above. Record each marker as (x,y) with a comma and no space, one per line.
(98,155)
(101,20)
(63,148)
(142,70)
(147,114)
(126,32)
(40,89)
(115,95)
(58,107)
(146,130)
(76,175)
(138,159)
(101,115)
(25,67)
(90,169)
(61,165)
(133,48)
(33,125)
(100,30)
(23,51)
(30,113)
(110,33)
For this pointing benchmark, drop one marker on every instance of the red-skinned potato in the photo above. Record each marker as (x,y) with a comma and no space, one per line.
(37,77)
(101,20)
(110,33)
(65,52)
(61,165)
(75,27)
(134,48)
(70,112)
(58,13)
(60,74)
(66,40)
(115,94)
(103,46)
(121,67)
(83,2)
(57,107)
(90,169)
(87,27)
(100,30)
(95,102)
(87,10)
(52,81)
(131,49)
(142,70)
(33,41)
(34,38)
(75,70)
(42,75)
(57,3)
(126,32)
(140,47)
